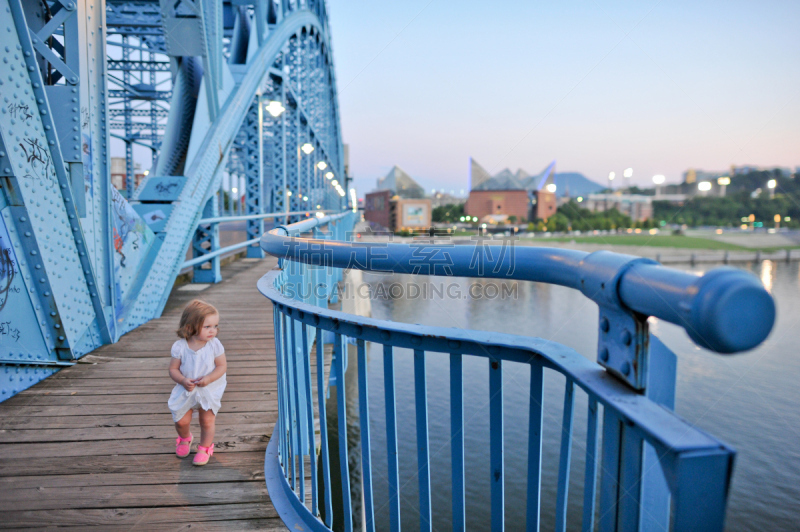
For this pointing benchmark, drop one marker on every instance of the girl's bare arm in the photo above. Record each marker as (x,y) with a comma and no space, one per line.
(219,371)
(177,376)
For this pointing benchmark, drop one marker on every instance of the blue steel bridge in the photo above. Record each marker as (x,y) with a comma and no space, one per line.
(244,92)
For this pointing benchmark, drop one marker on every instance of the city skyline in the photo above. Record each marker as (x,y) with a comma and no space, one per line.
(656,87)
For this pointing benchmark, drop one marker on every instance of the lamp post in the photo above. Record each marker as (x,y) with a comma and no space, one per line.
(704,186)
(611,176)
(771,184)
(628,174)
(658,180)
(723,182)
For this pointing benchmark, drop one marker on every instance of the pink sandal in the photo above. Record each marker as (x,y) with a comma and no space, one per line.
(183,446)
(203,455)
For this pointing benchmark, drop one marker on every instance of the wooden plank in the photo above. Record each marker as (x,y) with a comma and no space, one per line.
(69,398)
(163,495)
(156,407)
(208,517)
(132,464)
(16,436)
(94,445)
(125,420)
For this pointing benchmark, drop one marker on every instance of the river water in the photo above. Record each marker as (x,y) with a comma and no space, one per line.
(750,401)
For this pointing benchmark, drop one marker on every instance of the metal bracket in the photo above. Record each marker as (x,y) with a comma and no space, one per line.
(623,337)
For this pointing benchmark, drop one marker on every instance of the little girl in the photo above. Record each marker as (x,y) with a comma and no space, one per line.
(198,366)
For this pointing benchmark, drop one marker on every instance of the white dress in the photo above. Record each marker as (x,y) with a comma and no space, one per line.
(195,365)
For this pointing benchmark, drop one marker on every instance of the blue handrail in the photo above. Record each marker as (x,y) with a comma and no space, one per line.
(639,429)
(708,307)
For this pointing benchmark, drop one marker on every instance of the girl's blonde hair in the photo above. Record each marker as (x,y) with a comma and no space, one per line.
(193,317)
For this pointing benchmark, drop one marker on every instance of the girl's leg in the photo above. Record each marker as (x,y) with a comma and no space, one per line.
(182,426)
(207,423)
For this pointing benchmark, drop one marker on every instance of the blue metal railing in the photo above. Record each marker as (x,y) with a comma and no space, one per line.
(215,252)
(633,381)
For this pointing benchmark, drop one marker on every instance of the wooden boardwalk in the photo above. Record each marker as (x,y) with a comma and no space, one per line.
(94,444)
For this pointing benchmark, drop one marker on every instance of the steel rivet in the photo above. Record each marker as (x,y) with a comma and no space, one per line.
(604,325)
(626,368)
(604,354)
(626,337)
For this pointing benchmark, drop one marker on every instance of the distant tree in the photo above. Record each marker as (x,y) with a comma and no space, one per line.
(447,213)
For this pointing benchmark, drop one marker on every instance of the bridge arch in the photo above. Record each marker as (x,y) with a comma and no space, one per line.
(237,105)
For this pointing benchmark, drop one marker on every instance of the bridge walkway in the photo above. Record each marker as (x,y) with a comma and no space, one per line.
(94,444)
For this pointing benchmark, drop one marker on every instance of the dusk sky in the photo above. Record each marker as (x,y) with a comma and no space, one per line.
(659,86)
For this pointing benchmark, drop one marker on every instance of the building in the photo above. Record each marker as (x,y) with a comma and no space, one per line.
(639,208)
(482,203)
(401,183)
(523,196)
(376,208)
(118,173)
(399,203)
(543,205)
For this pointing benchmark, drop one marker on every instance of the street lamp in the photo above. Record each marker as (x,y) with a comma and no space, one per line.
(611,176)
(307,148)
(551,187)
(771,184)
(658,180)
(322,165)
(329,175)
(275,108)
(704,186)
(723,182)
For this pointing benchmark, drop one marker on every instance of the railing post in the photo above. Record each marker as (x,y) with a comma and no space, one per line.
(457,440)
(660,389)
(423,452)
(391,439)
(254,174)
(496,451)
(205,240)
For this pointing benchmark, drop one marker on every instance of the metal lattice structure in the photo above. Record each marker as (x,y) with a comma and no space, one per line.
(214,90)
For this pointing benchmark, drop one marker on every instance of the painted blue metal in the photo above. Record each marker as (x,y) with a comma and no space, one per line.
(639,429)
(457,440)
(391,439)
(565,456)
(590,473)
(574,269)
(299,443)
(205,247)
(366,456)
(309,400)
(179,79)
(496,437)
(323,429)
(610,468)
(341,407)
(292,417)
(535,420)
(423,450)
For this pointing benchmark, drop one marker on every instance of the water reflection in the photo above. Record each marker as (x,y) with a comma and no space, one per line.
(766,274)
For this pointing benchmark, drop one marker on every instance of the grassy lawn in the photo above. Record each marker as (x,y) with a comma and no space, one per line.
(664,241)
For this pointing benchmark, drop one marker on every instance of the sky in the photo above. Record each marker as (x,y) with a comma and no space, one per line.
(659,86)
